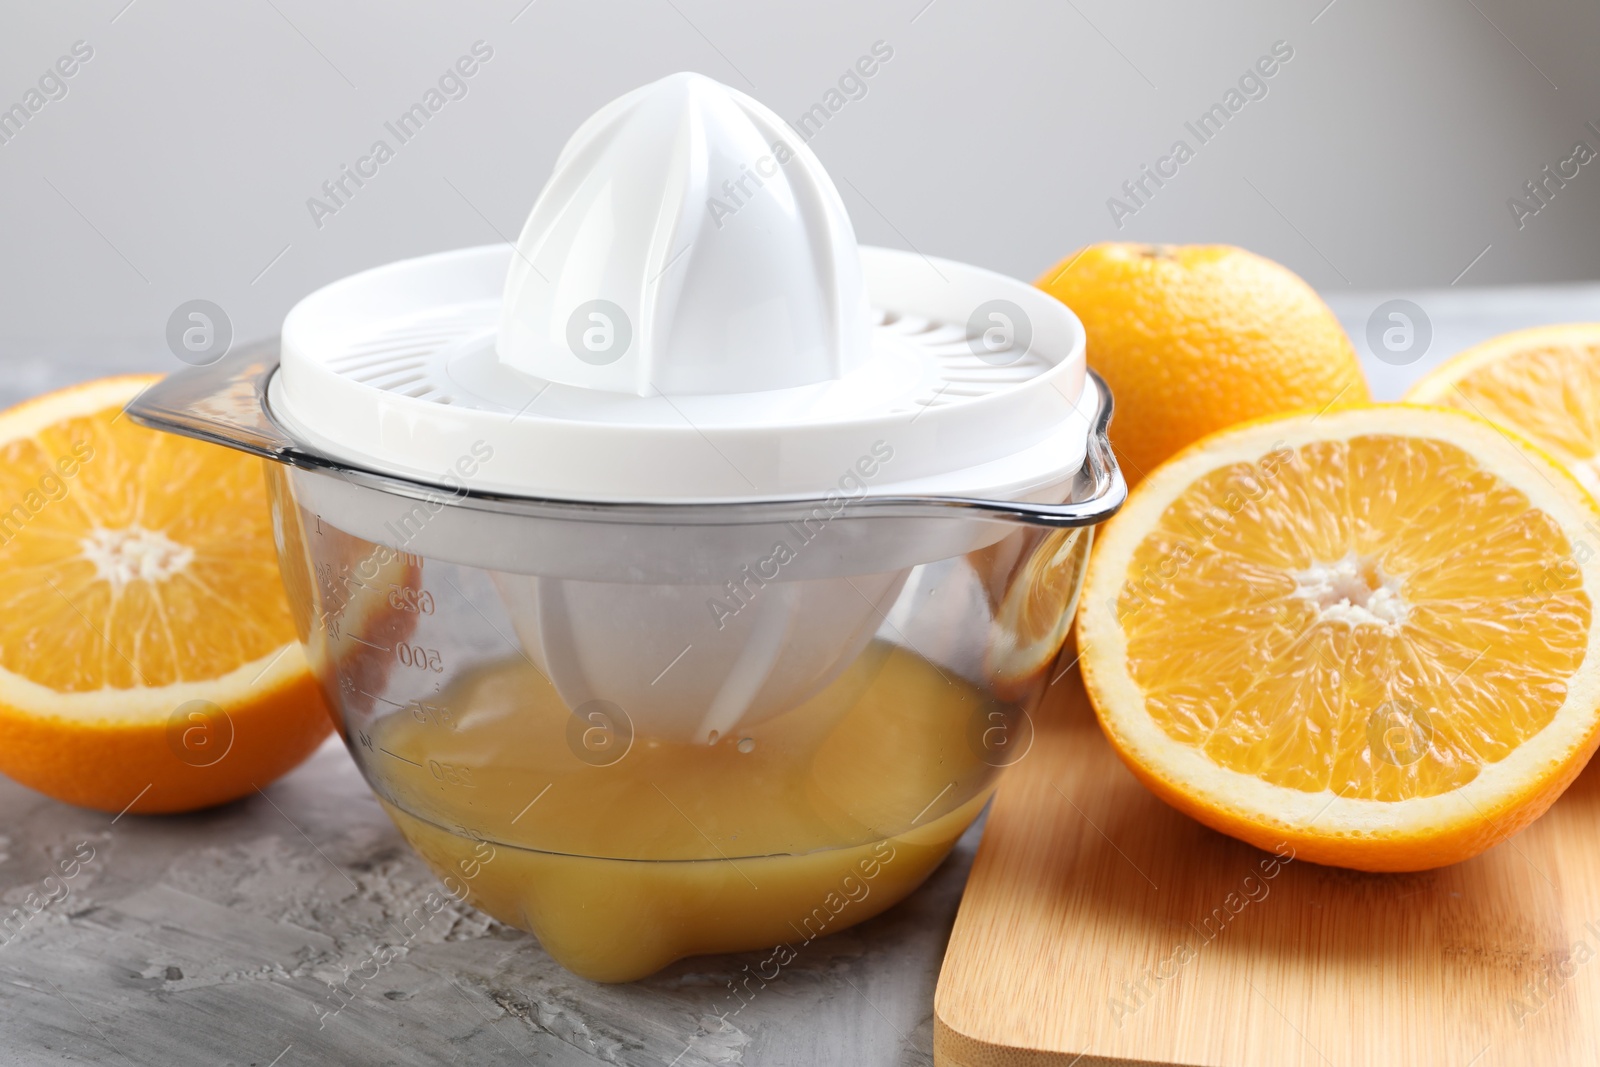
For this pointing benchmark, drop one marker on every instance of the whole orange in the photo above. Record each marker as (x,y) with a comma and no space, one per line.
(1195,338)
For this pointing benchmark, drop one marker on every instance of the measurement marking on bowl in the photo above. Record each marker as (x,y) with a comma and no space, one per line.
(402,759)
(931,803)
(428,659)
(369,644)
(531,803)
(424,712)
(386,700)
(673,664)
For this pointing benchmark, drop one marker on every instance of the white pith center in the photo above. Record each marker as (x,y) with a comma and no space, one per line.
(1354,591)
(134,554)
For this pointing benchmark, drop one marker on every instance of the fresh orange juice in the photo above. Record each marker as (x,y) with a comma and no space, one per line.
(624,853)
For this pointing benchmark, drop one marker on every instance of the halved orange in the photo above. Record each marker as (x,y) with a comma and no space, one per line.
(147,654)
(1368,634)
(1543,383)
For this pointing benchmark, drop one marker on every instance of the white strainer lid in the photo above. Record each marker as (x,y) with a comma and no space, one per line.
(687,317)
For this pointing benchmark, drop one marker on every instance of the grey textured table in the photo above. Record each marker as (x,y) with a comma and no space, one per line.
(213,938)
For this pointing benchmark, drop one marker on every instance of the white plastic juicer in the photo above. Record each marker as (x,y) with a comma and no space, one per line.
(686,449)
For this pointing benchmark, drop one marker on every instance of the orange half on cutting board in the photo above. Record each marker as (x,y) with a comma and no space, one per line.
(1367,634)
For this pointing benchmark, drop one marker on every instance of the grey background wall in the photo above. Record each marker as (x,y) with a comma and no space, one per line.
(1381,157)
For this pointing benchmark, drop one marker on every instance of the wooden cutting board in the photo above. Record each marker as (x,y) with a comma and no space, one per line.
(1100,926)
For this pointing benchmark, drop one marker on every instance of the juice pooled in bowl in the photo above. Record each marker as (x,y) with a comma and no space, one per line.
(622,853)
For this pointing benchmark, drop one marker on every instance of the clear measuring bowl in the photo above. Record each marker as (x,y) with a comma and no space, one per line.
(648,731)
